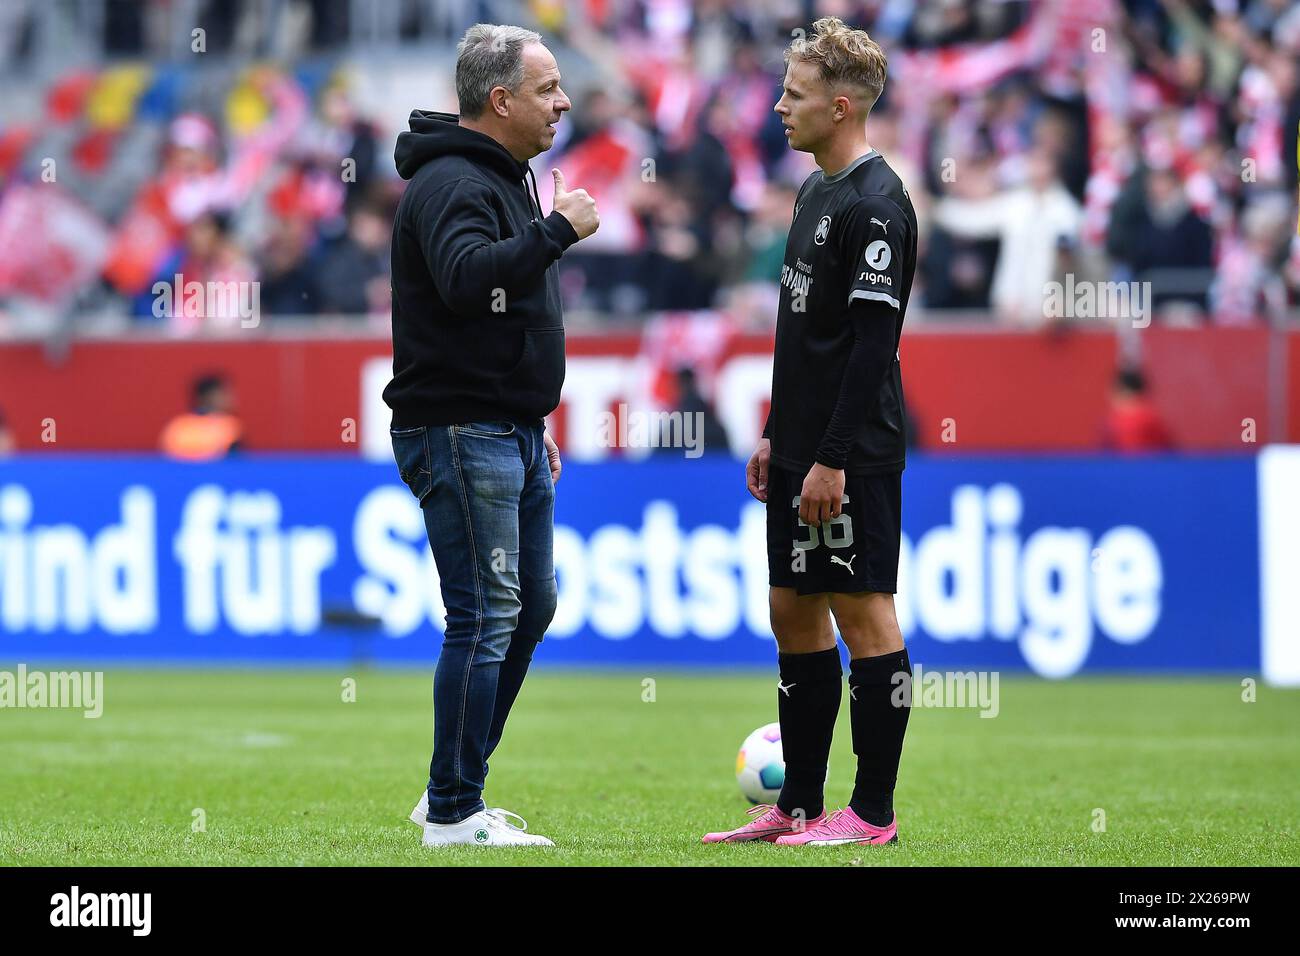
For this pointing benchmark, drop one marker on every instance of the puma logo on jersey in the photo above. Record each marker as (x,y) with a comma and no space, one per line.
(883,225)
(797,207)
(836,559)
(785,688)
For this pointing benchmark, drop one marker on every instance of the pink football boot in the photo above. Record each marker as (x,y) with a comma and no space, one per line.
(842,826)
(769,824)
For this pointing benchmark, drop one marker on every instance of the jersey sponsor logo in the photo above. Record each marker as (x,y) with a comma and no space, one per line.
(795,281)
(883,225)
(797,207)
(875,278)
(878,255)
(823,230)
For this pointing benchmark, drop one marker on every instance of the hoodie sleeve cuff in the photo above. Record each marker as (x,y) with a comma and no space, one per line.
(560,230)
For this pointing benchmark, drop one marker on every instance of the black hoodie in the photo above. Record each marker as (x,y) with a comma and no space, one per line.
(477,328)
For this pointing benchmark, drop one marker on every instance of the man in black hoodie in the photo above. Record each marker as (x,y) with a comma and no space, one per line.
(478,361)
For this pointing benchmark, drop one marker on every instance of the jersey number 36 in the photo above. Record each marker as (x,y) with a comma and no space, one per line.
(836,533)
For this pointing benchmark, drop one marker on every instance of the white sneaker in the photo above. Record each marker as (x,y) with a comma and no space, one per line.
(485,828)
(419,816)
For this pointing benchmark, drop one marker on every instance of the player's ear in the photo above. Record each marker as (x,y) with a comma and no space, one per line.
(840,108)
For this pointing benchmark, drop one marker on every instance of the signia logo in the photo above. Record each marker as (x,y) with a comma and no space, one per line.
(823,230)
(878,255)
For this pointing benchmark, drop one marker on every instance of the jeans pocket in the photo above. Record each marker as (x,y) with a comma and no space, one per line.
(500,429)
(411,452)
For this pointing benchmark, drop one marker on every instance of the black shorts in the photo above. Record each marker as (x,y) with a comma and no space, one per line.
(858,551)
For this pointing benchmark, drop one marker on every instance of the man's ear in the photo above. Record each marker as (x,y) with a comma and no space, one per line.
(842,107)
(499,100)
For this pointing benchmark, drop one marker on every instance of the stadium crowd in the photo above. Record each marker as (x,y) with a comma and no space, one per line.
(1147,140)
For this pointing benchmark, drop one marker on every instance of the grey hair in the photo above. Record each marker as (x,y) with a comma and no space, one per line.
(488,56)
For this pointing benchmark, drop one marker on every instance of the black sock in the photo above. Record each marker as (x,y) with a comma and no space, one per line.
(878,711)
(808,701)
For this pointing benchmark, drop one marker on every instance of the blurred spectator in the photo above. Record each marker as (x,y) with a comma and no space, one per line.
(956,269)
(1172,246)
(340,136)
(1249,282)
(210,429)
(354,272)
(768,231)
(678,273)
(289,279)
(706,428)
(208,255)
(1132,423)
(1032,222)
(16,22)
(7,442)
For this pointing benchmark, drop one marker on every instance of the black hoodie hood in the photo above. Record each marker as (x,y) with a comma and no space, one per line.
(439,134)
(434,135)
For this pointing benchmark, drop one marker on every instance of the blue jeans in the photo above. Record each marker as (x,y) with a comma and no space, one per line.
(488,501)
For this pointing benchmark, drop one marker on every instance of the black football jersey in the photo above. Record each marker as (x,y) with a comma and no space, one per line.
(852,244)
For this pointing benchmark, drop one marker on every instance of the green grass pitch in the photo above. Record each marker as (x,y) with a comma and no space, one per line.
(285,772)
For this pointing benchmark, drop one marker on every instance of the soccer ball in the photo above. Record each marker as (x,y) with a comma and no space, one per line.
(760,767)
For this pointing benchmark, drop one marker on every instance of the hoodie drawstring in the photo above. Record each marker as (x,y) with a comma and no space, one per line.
(536,198)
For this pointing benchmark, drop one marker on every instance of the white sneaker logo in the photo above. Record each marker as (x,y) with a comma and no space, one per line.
(784,689)
(836,559)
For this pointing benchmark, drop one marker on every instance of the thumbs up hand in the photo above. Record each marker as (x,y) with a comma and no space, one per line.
(577,206)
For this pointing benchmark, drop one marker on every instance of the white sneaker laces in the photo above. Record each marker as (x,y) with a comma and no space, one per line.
(499,815)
